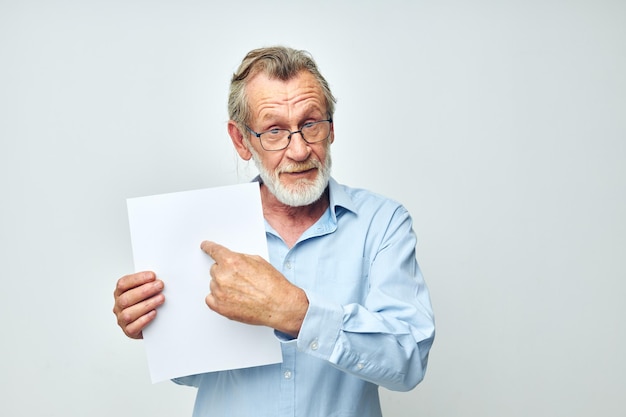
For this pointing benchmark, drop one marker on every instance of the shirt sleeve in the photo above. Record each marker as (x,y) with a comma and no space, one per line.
(385,339)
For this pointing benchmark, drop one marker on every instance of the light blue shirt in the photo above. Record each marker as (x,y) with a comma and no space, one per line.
(369,321)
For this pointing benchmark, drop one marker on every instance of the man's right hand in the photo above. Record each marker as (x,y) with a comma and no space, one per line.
(137,297)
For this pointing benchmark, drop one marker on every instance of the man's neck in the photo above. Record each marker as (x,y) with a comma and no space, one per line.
(290,222)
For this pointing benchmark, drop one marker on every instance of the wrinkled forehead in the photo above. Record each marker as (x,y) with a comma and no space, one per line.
(300,91)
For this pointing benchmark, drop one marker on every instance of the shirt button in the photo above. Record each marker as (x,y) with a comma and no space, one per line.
(288,265)
(360,365)
(314,345)
(287,374)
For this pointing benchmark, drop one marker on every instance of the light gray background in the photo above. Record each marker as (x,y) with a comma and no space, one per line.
(499,124)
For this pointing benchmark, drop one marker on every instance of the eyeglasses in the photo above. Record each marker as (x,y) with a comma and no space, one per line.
(279,139)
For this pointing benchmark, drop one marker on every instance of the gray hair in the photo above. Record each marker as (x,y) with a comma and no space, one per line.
(278,62)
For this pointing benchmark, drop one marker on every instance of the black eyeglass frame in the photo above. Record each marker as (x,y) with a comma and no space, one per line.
(291,133)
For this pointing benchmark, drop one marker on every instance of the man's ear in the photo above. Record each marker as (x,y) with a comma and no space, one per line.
(239,141)
(332,133)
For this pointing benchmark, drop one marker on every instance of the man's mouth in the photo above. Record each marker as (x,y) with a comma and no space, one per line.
(299,170)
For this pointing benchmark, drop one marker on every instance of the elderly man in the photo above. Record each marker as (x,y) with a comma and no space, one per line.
(343,290)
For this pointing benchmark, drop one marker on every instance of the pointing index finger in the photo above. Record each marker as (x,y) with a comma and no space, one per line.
(212,249)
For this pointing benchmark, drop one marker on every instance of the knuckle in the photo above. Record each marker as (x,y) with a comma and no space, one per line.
(124,318)
(118,288)
(122,301)
(130,333)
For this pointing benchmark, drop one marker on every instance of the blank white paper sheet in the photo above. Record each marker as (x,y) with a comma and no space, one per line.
(188,338)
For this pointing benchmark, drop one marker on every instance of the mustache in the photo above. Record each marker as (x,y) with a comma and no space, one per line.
(299,166)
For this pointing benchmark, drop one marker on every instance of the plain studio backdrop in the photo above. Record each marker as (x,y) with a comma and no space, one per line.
(499,124)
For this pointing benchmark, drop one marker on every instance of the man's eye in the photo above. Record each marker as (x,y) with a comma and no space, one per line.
(274,131)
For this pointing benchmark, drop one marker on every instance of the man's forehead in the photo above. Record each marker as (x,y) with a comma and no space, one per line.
(304,91)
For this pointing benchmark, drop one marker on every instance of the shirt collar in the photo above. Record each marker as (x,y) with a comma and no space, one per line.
(337,196)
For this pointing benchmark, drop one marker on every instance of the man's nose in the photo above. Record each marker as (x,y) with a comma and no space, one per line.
(298,148)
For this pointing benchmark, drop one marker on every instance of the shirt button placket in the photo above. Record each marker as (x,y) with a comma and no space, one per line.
(287,383)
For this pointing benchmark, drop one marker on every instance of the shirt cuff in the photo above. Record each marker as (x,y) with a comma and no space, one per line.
(321,327)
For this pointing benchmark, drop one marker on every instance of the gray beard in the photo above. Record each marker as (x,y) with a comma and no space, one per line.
(304,192)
